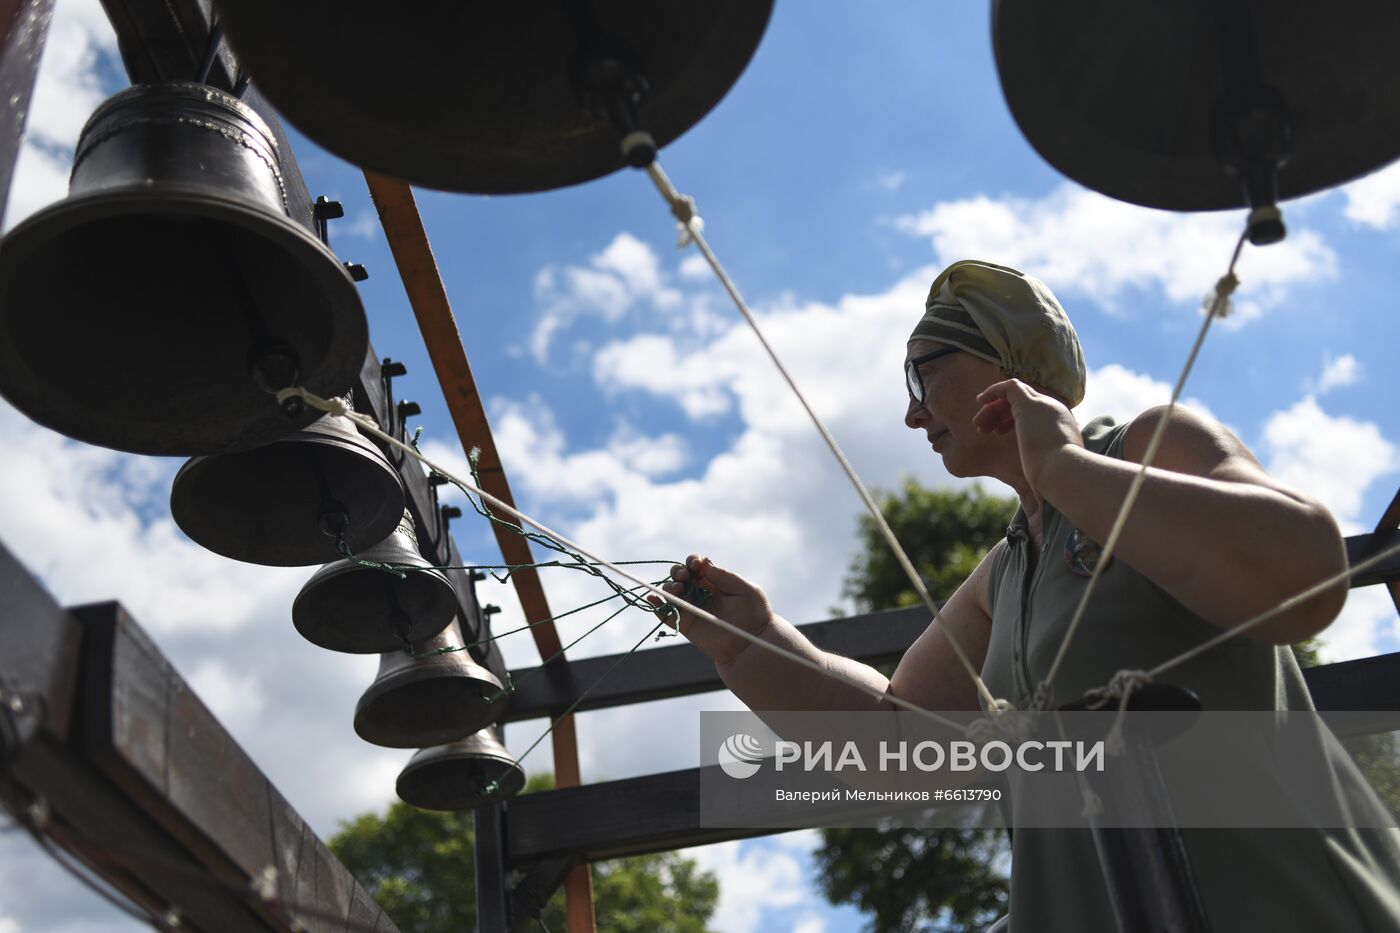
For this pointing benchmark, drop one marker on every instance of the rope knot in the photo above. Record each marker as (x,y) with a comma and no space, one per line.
(332,406)
(994,723)
(1217,303)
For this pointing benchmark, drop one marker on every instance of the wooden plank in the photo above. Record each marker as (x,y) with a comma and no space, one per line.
(146,732)
(612,819)
(24,25)
(681,670)
(1360,547)
(661,812)
(42,644)
(492,886)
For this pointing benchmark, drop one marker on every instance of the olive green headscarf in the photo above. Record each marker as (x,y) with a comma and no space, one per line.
(1008,318)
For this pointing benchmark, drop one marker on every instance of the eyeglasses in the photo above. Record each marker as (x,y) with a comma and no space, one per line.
(915,382)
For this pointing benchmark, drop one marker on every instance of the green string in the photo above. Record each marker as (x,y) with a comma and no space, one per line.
(491,638)
(493,786)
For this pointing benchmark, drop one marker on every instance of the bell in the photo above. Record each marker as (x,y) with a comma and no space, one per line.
(1203,105)
(346,606)
(429,698)
(494,98)
(283,503)
(156,307)
(460,775)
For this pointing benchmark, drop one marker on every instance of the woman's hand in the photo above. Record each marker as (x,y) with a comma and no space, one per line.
(731,598)
(1044,427)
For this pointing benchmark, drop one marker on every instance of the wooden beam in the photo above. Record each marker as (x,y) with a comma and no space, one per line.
(681,670)
(24,25)
(147,733)
(1360,547)
(1390,520)
(144,784)
(661,812)
(612,819)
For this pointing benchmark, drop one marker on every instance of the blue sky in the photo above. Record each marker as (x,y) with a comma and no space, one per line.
(866,146)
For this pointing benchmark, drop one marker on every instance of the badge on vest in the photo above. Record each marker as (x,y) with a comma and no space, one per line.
(1082,553)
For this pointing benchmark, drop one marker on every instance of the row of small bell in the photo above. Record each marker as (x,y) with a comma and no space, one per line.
(493,98)
(349,606)
(429,697)
(461,775)
(290,503)
(159,305)
(1203,104)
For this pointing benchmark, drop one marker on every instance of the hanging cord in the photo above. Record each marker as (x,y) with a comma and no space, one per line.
(1217,305)
(513,685)
(493,786)
(337,406)
(514,631)
(683,209)
(211,51)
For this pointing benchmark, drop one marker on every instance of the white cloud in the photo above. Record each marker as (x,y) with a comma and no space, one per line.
(1334,458)
(364,226)
(1357,631)
(624,276)
(1342,371)
(694,268)
(890,179)
(1119,392)
(1079,241)
(809,923)
(1371,201)
(754,878)
(66,92)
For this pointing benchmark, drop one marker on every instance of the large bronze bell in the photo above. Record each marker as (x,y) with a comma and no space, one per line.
(347,606)
(156,308)
(461,775)
(493,98)
(284,503)
(429,698)
(1177,104)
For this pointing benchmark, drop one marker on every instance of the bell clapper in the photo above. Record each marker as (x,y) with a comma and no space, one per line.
(274,365)
(607,82)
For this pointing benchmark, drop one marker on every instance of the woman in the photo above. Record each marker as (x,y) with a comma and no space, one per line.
(993,369)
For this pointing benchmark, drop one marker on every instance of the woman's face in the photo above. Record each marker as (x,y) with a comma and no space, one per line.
(951,386)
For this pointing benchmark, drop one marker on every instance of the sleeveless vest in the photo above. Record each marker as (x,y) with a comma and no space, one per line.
(1303,880)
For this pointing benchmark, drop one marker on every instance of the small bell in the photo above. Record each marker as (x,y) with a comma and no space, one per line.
(284,504)
(430,697)
(158,307)
(347,606)
(461,775)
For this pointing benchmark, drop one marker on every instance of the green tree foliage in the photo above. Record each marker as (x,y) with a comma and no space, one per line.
(419,866)
(1375,755)
(945,534)
(906,879)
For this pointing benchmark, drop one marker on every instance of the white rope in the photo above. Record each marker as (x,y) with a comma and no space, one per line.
(683,209)
(1218,306)
(337,406)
